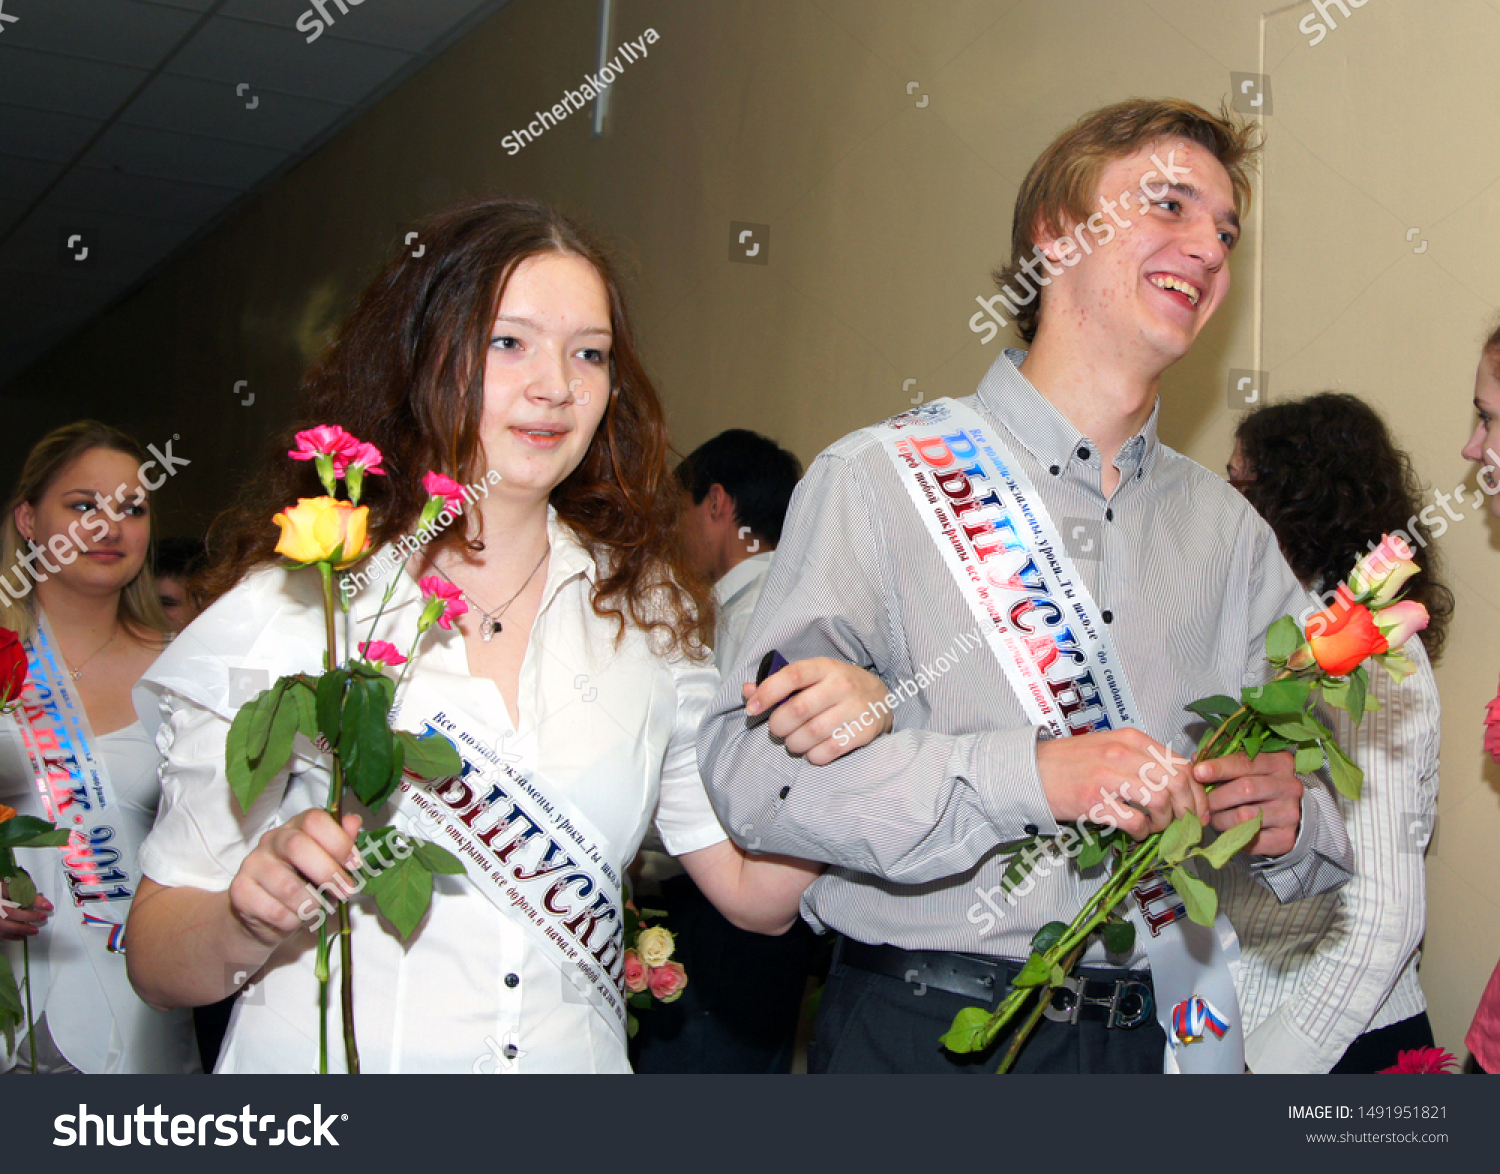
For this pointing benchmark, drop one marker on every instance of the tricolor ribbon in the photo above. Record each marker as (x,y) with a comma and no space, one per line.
(116,942)
(1191,1018)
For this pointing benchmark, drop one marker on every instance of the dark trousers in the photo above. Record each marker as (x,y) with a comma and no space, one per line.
(739,1010)
(872,1023)
(1380,1048)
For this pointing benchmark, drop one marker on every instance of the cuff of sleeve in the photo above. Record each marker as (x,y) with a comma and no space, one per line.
(173,876)
(1279,1046)
(705,836)
(1009,784)
(1300,851)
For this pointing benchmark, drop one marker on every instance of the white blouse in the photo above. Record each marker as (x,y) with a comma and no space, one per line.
(1317,974)
(609,728)
(81,996)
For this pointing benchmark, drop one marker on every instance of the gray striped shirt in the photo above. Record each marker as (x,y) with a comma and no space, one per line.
(1186,573)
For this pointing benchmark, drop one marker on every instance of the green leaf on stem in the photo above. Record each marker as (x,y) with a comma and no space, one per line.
(1222,849)
(330,704)
(301,693)
(12,1011)
(1095,846)
(403,893)
(1274,744)
(430,757)
(1215,708)
(1048,936)
(1296,729)
(1198,897)
(1359,681)
(1347,777)
(263,709)
(640,1000)
(27,831)
(366,744)
(1278,698)
(1255,739)
(967,1033)
(22,888)
(1036,972)
(440,860)
(1181,835)
(1119,936)
(1282,639)
(1018,866)
(1309,758)
(250,773)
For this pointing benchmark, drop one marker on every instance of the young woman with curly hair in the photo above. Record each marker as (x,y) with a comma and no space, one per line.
(1330,984)
(501,357)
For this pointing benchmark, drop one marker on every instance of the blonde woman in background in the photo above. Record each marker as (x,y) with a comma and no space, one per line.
(76,585)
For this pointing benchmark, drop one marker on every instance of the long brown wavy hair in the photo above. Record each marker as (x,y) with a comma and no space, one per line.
(1330,480)
(406,373)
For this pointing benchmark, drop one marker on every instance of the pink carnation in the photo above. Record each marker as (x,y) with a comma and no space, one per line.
(445,602)
(382,652)
(361,453)
(667,981)
(438,485)
(326,440)
(1492,729)
(1422,1062)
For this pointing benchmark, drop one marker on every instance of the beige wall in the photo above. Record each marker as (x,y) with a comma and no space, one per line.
(885,218)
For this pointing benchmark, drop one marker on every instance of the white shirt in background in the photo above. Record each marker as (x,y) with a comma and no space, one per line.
(737,593)
(1317,974)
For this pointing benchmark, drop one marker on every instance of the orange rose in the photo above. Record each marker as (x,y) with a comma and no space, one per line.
(1340,638)
(320,530)
(6,813)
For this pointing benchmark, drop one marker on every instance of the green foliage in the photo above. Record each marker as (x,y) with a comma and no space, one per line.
(403,893)
(1198,897)
(440,860)
(1309,758)
(330,704)
(366,746)
(1228,843)
(1036,972)
(1184,833)
(1048,936)
(12,1010)
(1119,936)
(1215,708)
(1279,698)
(1347,777)
(1282,639)
(27,831)
(260,741)
(22,888)
(429,757)
(967,1033)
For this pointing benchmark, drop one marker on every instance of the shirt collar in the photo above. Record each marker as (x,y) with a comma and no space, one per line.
(740,576)
(568,559)
(1046,433)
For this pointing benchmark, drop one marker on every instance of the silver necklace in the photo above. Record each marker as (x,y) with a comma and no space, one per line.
(491,622)
(78,672)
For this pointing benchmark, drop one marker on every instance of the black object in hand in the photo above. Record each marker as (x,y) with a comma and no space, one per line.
(771,662)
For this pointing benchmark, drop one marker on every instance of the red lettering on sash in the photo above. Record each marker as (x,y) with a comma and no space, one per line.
(941,457)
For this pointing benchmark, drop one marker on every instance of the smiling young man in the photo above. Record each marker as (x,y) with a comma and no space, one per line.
(1109,580)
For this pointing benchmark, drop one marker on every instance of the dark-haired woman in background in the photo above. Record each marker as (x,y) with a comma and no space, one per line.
(503,356)
(1330,983)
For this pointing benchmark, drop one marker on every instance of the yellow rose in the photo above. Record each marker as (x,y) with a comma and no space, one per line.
(316,527)
(654,946)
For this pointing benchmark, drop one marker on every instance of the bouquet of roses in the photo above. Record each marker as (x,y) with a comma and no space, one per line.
(649,971)
(18,831)
(1366,621)
(346,710)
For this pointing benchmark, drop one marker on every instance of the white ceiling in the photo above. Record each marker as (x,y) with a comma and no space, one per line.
(123,121)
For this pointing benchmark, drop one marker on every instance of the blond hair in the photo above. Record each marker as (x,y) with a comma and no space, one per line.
(1064,181)
(139,608)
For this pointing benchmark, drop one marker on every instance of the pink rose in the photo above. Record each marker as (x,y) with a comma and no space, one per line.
(667,981)
(635,972)
(382,652)
(1401,621)
(445,603)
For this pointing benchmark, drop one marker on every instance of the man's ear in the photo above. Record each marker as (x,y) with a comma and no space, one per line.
(720,504)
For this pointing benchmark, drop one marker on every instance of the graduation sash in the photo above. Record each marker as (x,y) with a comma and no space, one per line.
(1038,619)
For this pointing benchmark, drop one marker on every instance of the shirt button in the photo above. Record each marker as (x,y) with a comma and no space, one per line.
(1108,617)
(1083,454)
(785,791)
(1031,829)
(511,1051)
(1055,470)
(512,980)
(1109,515)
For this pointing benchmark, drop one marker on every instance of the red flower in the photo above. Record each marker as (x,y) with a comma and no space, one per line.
(438,485)
(445,603)
(1340,638)
(382,652)
(326,440)
(361,453)
(635,972)
(1422,1062)
(12,666)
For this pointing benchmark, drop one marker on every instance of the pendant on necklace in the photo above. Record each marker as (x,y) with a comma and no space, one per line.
(488,629)
(75,673)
